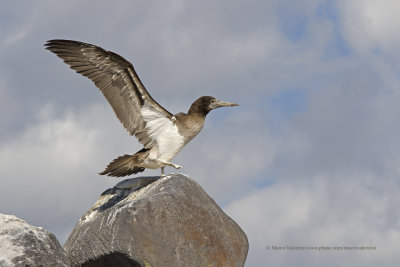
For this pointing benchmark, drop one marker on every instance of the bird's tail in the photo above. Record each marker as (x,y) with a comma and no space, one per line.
(125,165)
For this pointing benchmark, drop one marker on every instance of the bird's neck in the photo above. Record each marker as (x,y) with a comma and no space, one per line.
(197,110)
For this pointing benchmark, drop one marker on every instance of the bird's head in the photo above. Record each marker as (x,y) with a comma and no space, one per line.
(205,104)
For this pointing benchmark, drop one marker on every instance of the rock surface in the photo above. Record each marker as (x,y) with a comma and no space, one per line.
(22,244)
(151,221)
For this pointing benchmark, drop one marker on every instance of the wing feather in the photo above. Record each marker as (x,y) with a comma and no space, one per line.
(117,80)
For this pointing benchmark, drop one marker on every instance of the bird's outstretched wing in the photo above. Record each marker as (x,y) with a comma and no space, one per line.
(116,78)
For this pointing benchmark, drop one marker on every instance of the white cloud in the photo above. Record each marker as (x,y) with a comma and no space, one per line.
(371,24)
(49,170)
(342,210)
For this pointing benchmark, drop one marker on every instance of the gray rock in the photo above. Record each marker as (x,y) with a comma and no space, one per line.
(153,221)
(22,244)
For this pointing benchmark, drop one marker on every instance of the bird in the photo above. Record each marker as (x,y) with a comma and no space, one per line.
(162,134)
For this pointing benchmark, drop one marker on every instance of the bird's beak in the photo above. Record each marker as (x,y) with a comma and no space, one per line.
(219,103)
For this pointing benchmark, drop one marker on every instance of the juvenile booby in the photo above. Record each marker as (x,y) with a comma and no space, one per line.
(161,133)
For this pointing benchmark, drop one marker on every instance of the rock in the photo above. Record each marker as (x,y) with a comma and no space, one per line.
(22,244)
(152,221)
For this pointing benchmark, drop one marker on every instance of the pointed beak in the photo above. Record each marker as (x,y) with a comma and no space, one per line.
(219,103)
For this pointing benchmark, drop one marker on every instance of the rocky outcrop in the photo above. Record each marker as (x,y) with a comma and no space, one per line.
(151,221)
(22,244)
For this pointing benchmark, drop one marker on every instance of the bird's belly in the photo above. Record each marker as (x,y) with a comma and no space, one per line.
(155,158)
(152,164)
(169,149)
(168,156)
(169,144)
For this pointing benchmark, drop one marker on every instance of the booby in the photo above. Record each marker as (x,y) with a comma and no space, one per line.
(162,134)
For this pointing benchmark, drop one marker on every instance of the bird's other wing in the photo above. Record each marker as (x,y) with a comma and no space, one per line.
(116,78)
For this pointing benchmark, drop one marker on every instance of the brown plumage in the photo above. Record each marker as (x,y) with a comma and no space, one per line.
(162,134)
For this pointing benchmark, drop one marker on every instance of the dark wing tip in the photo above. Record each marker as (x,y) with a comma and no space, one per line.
(64,42)
(59,45)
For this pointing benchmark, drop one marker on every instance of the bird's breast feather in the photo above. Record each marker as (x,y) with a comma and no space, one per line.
(163,131)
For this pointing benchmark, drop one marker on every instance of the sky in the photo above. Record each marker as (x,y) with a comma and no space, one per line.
(310,158)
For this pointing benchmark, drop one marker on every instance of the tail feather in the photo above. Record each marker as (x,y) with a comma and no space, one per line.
(124,165)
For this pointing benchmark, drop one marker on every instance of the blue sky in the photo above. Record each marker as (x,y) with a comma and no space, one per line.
(311,156)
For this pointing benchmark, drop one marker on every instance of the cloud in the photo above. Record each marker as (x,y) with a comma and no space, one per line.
(340,210)
(371,25)
(49,169)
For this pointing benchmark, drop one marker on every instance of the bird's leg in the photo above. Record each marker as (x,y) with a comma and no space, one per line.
(169,164)
(162,171)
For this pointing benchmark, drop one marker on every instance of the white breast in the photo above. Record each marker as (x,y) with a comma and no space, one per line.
(170,143)
(164,131)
